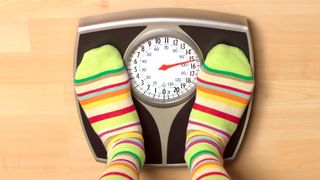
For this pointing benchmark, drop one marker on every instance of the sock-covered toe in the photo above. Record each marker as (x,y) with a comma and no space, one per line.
(228,60)
(97,62)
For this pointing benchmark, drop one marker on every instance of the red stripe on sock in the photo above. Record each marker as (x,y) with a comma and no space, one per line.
(103,88)
(118,174)
(210,127)
(217,113)
(112,114)
(119,128)
(223,86)
(212,173)
(205,159)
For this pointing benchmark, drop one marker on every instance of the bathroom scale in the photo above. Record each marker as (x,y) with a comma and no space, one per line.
(163,50)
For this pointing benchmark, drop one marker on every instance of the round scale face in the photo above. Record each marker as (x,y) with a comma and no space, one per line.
(163,69)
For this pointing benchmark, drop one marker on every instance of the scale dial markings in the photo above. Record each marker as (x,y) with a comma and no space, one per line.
(163,68)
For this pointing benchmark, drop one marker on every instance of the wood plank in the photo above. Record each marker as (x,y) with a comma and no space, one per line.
(40,133)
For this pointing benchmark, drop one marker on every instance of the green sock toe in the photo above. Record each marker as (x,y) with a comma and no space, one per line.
(228,60)
(99,61)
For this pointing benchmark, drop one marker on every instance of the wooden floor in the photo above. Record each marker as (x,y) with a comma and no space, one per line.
(40,133)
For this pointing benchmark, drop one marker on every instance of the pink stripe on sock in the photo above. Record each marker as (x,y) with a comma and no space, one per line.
(206,141)
(210,127)
(224,86)
(118,174)
(212,173)
(119,128)
(103,88)
(217,113)
(130,142)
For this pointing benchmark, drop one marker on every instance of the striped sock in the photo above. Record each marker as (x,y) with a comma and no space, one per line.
(103,90)
(224,87)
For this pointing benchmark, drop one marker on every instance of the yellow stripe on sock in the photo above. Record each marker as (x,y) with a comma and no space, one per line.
(226,81)
(210,177)
(115,122)
(221,99)
(223,138)
(106,101)
(105,96)
(219,106)
(136,135)
(129,129)
(130,146)
(213,121)
(206,167)
(101,83)
(203,156)
(108,107)
(216,177)
(124,156)
(113,177)
(122,168)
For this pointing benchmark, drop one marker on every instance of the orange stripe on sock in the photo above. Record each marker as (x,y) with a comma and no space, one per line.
(195,172)
(206,164)
(222,94)
(124,165)
(202,160)
(104,96)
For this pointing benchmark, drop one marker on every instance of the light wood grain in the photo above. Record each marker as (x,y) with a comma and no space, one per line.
(40,133)
(14,35)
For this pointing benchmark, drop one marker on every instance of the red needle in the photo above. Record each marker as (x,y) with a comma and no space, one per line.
(167,66)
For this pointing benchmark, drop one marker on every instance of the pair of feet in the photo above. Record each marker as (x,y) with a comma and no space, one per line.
(224,87)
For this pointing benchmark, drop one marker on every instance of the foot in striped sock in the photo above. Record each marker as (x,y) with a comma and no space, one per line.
(103,90)
(224,87)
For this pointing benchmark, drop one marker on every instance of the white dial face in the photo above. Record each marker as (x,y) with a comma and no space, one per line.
(163,69)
